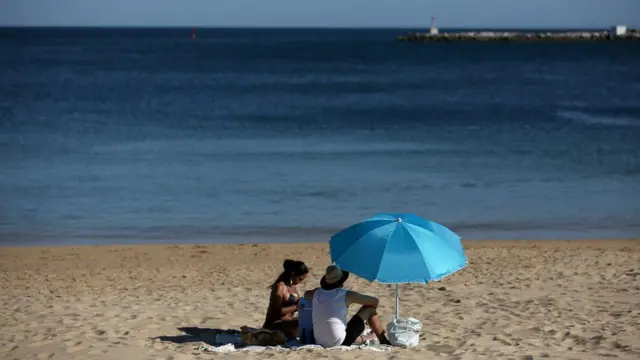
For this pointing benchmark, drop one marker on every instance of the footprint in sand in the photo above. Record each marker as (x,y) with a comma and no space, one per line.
(73,349)
(100,333)
(72,343)
(98,351)
(525,357)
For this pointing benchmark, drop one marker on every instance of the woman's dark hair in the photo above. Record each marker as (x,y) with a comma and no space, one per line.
(291,268)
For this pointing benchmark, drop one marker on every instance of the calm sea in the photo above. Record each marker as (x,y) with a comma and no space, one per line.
(259,135)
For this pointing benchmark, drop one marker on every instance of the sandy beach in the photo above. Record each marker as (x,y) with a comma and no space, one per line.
(519,300)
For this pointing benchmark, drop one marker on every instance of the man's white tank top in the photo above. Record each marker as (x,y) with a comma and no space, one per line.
(329,317)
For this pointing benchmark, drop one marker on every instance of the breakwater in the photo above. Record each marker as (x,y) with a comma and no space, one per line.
(504,36)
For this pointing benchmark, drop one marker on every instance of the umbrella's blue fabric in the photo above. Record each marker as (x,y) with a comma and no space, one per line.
(398,248)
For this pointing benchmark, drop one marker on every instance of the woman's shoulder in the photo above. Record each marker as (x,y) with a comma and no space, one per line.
(280,286)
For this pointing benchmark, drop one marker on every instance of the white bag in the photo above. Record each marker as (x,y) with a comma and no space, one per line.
(404,332)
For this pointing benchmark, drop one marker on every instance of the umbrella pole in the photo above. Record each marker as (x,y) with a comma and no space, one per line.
(397,301)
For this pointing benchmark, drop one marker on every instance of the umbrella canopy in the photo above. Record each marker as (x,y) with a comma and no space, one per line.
(398,248)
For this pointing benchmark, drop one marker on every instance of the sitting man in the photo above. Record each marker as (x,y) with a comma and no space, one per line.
(330,304)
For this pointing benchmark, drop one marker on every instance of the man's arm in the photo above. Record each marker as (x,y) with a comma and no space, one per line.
(357,298)
(309,294)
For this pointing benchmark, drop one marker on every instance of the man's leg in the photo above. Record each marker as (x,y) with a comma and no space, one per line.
(355,328)
(369,315)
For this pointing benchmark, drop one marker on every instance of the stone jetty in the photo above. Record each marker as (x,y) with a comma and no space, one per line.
(498,36)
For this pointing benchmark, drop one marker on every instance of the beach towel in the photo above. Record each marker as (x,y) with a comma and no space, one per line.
(228,348)
(231,341)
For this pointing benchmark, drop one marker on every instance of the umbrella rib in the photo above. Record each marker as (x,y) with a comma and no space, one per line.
(422,257)
(384,252)
(355,242)
(447,245)
(363,235)
(429,225)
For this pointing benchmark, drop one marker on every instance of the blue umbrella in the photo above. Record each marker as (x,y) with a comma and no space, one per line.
(398,248)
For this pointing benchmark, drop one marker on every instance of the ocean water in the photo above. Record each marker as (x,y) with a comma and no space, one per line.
(261,135)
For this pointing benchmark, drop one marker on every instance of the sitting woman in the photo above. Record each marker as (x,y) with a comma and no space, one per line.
(283,302)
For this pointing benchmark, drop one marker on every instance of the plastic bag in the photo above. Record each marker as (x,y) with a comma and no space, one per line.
(404,332)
